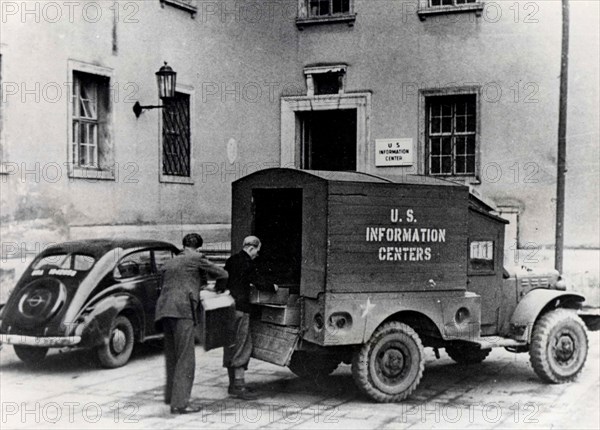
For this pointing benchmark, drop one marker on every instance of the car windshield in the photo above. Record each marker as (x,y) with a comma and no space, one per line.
(79,262)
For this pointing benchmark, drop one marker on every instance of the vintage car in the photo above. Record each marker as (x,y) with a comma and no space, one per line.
(98,294)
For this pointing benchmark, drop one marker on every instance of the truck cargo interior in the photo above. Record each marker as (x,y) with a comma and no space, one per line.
(277,221)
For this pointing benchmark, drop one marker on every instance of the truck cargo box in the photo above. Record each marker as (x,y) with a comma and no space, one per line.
(347,232)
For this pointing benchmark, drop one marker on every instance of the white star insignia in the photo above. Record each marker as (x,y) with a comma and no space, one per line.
(367,307)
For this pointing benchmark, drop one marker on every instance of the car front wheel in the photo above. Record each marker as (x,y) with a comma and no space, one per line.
(117,350)
(30,354)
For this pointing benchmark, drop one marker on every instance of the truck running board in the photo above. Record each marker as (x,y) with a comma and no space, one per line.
(498,342)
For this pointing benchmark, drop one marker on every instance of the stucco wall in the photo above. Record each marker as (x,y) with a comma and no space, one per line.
(239,58)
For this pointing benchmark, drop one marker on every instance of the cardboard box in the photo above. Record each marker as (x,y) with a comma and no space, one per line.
(279,298)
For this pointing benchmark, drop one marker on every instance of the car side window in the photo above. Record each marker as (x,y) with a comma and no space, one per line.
(133,265)
(161,256)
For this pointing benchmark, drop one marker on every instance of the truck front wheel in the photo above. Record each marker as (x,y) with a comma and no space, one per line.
(390,365)
(559,346)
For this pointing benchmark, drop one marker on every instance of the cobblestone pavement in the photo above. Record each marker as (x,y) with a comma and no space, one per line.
(70,391)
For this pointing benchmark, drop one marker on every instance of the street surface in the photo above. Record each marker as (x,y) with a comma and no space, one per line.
(70,391)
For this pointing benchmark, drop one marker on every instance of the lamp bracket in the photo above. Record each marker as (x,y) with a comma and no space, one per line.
(138,108)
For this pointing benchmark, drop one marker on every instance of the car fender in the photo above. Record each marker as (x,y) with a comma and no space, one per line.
(95,321)
(535,302)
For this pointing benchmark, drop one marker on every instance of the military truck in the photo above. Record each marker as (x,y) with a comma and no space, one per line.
(373,271)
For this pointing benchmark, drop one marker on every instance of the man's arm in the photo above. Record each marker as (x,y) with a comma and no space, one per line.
(212,269)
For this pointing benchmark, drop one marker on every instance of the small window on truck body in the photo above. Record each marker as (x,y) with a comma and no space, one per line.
(481,256)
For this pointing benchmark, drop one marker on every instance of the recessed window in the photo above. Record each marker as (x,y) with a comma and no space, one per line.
(451,135)
(433,7)
(176,144)
(319,11)
(481,255)
(322,80)
(90,147)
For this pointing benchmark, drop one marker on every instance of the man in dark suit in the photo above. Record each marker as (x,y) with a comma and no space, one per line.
(182,279)
(243,273)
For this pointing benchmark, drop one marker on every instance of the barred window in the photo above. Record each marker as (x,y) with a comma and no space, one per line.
(451,134)
(176,136)
(90,106)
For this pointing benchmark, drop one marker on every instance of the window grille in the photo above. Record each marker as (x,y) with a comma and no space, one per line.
(176,136)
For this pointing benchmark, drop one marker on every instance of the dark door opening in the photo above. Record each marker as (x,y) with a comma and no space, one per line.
(329,139)
(278,224)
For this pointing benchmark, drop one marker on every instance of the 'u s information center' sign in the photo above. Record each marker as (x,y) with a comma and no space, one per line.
(393,152)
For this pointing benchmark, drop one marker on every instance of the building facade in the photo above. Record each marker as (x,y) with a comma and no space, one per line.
(461,89)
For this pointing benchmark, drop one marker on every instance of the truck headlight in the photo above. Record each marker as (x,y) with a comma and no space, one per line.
(561,284)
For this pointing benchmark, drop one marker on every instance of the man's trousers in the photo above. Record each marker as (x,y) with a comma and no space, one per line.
(180,360)
(238,354)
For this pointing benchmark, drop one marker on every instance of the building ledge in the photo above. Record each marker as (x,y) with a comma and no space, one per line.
(92,174)
(171,179)
(438,10)
(303,22)
(187,5)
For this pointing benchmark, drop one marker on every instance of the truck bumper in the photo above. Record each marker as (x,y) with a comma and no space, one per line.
(17,339)
(591,318)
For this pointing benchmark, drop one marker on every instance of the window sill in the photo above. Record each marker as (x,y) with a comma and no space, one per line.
(438,10)
(316,20)
(91,174)
(461,179)
(170,179)
(181,4)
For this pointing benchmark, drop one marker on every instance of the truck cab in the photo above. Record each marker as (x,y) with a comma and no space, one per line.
(374,271)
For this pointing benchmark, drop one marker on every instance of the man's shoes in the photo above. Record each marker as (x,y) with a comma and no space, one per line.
(186,410)
(242,393)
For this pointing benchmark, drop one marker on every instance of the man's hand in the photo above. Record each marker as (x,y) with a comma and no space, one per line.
(276,287)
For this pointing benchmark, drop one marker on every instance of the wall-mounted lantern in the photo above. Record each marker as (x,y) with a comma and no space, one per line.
(166,80)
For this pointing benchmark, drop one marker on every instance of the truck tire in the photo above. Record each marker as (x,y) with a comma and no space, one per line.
(314,366)
(117,350)
(30,354)
(467,354)
(389,366)
(559,346)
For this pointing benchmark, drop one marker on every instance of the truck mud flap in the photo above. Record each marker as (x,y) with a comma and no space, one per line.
(273,343)
(591,318)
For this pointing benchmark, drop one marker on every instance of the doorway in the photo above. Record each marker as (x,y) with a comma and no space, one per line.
(278,224)
(328,139)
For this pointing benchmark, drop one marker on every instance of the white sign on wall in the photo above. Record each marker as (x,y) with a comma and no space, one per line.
(394,152)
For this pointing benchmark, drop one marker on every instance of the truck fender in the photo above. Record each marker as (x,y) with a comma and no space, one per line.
(531,306)
(96,320)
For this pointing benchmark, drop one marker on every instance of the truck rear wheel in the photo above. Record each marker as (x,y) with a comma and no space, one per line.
(467,354)
(559,346)
(389,366)
(311,365)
